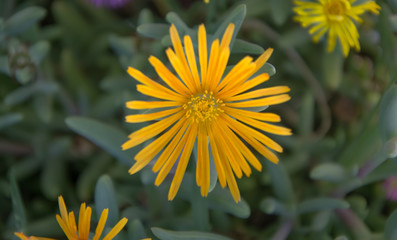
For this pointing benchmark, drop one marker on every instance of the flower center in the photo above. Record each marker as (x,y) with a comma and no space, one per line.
(335,10)
(203,107)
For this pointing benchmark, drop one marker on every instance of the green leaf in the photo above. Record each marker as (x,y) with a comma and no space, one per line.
(388,114)
(332,69)
(43,107)
(221,199)
(122,46)
(272,206)
(321,204)
(38,51)
(163,234)
(10,119)
(280,181)
(331,172)
(17,203)
(180,25)
(236,16)
(4,65)
(242,46)
(136,231)
(280,10)
(105,197)
(154,30)
(24,93)
(23,19)
(105,136)
(390,228)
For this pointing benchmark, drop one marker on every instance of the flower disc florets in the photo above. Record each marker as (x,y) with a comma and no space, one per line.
(203,107)
(336,10)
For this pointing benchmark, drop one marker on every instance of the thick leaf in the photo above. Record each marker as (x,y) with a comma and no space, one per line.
(25,92)
(23,19)
(281,182)
(331,172)
(154,30)
(390,228)
(163,234)
(320,204)
(280,10)
(267,68)
(136,231)
(236,16)
(241,46)
(221,199)
(272,206)
(105,197)
(180,25)
(107,137)
(38,51)
(17,204)
(122,46)
(10,119)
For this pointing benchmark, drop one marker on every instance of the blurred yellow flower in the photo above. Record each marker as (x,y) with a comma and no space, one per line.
(206,1)
(208,105)
(72,232)
(337,17)
(23,237)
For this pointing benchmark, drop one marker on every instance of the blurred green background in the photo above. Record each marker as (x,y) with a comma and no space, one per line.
(63,86)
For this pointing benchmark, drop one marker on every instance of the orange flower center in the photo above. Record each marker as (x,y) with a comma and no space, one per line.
(336,10)
(203,107)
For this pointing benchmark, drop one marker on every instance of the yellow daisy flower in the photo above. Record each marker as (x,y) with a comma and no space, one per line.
(208,105)
(207,1)
(72,232)
(337,17)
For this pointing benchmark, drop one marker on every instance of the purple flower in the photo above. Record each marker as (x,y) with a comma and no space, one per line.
(109,3)
(390,185)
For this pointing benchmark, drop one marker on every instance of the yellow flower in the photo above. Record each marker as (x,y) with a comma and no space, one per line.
(23,237)
(207,1)
(72,232)
(208,105)
(337,17)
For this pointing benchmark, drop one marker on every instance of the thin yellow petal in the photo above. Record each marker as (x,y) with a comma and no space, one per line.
(183,161)
(153,92)
(267,101)
(192,61)
(101,224)
(203,176)
(116,229)
(218,163)
(136,118)
(203,55)
(259,93)
(262,59)
(150,104)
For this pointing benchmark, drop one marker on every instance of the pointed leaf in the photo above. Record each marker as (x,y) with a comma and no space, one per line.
(105,136)
(221,199)
(136,231)
(281,182)
(10,119)
(390,228)
(331,172)
(242,46)
(17,204)
(154,30)
(321,204)
(23,19)
(236,16)
(163,234)
(105,197)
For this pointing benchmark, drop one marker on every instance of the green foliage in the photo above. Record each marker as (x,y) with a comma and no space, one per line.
(63,88)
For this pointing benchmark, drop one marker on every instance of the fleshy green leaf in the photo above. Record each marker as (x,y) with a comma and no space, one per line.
(390,228)
(331,172)
(272,206)
(221,199)
(38,51)
(107,137)
(23,19)
(280,10)
(280,181)
(10,119)
(17,204)
(136,231)
(163,234)
(241,46)
(236,16)
(105,197)
(180,25)
(154,30)
(25,92)
(267,68)
(320,204)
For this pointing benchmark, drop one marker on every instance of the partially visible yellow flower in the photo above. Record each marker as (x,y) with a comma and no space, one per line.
(206,1)
(72,232)
(208,106)
(335,17)
(23,237)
